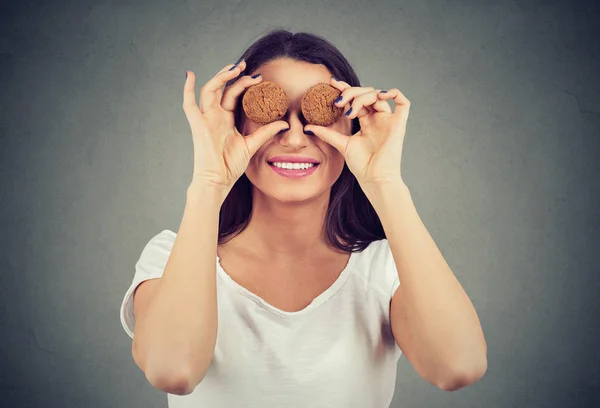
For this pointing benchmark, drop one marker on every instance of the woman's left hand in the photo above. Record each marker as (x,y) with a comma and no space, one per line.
(374,153)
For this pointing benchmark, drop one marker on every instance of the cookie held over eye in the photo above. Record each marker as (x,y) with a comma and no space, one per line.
(265,102)
(317,105)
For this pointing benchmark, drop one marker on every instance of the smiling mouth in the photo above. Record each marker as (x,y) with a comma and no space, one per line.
(293,166)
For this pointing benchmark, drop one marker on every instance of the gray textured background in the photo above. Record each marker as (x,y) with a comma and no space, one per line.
(500,156)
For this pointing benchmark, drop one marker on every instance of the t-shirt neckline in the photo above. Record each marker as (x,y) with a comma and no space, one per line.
(318,301)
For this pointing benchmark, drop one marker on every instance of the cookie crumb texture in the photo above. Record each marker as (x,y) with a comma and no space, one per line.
(317,105)
(265,102)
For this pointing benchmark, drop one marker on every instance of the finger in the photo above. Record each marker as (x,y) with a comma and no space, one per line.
(349,94)
(402,102)
(264,133)
(336,83)
(232,93)
(381,106)
(361,105)
(212,91)
(189,94)
(328,135)
(351,112)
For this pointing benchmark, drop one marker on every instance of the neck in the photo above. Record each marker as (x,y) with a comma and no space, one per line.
(286,231)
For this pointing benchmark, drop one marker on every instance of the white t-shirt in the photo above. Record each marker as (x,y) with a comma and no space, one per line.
(338,352)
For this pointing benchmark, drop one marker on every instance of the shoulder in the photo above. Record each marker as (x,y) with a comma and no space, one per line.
(376,253)
(158,248)
(162,240)
(376,265)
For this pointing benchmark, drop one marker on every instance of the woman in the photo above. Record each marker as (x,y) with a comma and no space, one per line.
(283,291)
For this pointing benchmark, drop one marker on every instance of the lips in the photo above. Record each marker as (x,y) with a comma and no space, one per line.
(293,159)
(294,173)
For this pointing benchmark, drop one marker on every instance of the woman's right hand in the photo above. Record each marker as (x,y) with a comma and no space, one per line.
(221,153)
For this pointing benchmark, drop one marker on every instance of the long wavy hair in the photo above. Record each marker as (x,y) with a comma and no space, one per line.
(351,222)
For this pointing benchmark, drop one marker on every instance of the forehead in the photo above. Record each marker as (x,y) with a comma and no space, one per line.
(295,77)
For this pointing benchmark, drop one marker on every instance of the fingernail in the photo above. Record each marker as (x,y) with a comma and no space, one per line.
(334,78)
(186,73)
(338,99)
(309,132)
(236,64)
(382,91)
(349,112)
(255,76)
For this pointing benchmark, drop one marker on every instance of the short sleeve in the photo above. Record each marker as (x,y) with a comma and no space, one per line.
(392,278)
(381,262)
(150,265)
(395,284)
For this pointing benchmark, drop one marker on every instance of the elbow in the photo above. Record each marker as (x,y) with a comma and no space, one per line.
(178,379)
(464,375)
(172,382)
(166,376)
(173,374)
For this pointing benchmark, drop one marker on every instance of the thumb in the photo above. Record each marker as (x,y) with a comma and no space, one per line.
(264,133)
(334,138)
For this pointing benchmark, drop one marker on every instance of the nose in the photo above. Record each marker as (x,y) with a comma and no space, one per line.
(295,136)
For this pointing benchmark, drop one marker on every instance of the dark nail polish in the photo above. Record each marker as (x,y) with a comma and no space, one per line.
(236,64)
(349,112)
(308,132)
(338,99)
(382,91)
(186,73)
(255,76)
(334,78)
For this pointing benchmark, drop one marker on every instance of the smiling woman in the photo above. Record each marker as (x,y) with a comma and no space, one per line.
(281,248)
(297,62)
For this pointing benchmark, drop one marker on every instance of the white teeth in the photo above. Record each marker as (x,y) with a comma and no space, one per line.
(293,166)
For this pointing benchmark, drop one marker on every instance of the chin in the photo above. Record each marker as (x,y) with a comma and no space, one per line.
(292,195)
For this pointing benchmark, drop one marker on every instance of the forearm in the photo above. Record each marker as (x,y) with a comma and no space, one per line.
(179,332)
(439,315)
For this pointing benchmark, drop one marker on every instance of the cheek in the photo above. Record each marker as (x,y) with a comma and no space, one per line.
(257,160)
(247,127)
(252,171)
(337,160)
(343,126)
